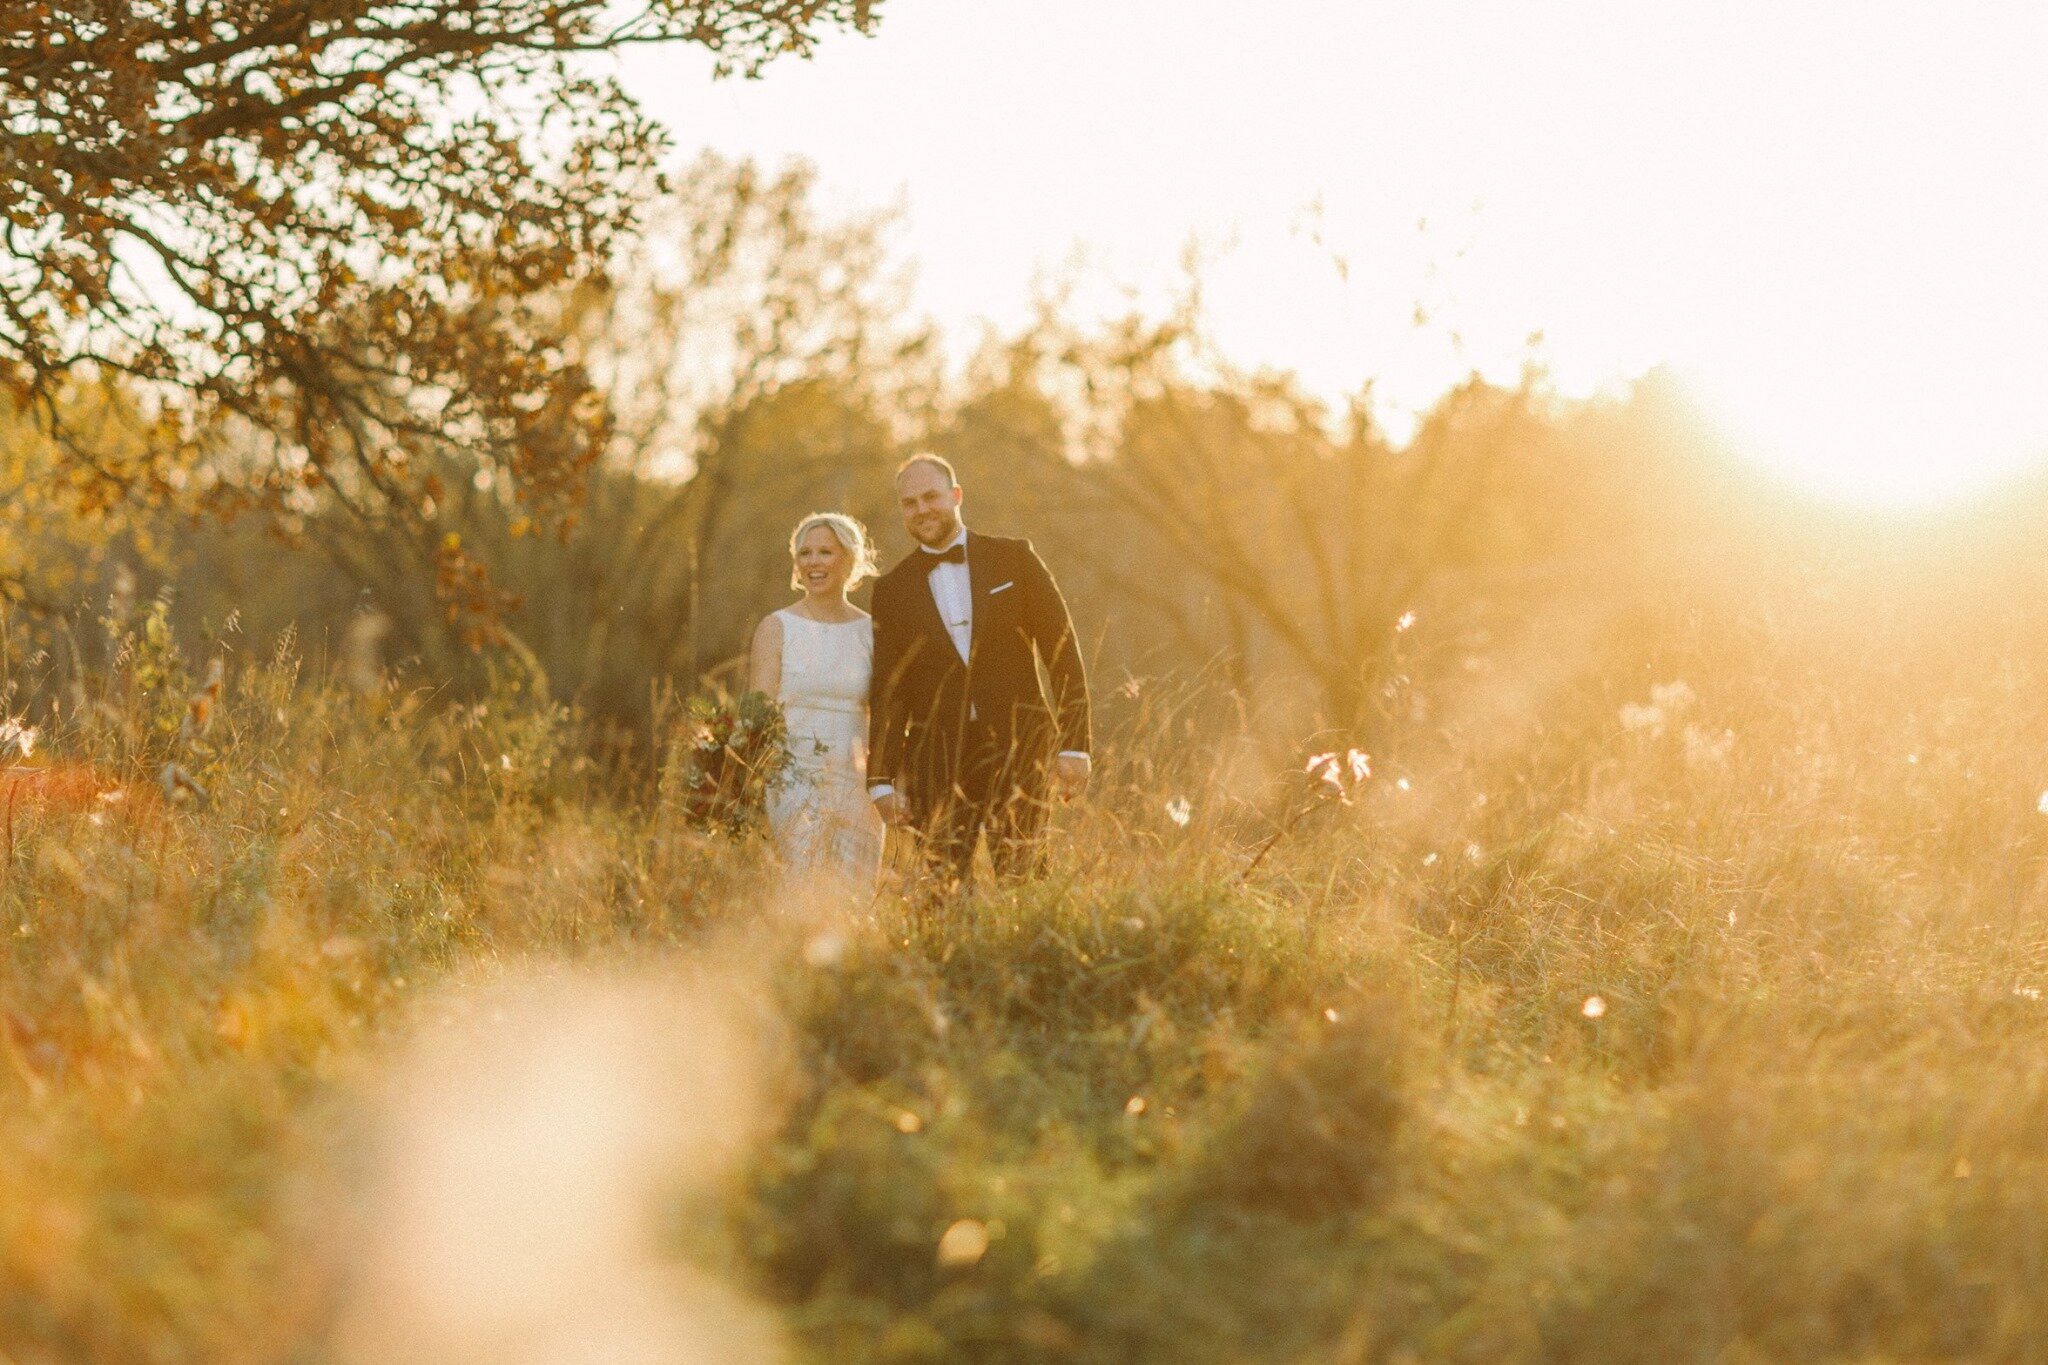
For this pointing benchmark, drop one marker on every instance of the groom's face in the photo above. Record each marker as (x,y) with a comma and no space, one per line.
(930,503)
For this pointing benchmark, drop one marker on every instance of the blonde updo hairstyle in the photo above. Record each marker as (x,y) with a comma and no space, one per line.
(852,537)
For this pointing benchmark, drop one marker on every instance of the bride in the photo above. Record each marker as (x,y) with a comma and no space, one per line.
(815,657)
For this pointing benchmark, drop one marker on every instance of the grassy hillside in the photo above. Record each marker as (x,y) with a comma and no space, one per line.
(1604,1025)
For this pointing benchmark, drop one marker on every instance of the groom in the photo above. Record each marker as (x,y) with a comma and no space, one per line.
(961,732)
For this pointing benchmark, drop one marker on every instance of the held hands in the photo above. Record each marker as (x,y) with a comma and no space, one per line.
(894,809)
(1070,774)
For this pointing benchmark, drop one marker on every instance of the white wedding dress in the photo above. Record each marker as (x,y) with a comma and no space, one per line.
(819,815)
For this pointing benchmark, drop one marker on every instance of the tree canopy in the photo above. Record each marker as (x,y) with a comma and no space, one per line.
(327,233)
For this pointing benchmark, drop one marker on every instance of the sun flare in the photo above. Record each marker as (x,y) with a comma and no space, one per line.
(1871,427)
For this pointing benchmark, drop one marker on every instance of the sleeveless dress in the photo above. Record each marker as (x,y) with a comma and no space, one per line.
(819,815)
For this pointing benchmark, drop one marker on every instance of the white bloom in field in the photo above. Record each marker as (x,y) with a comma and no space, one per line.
(1401,784)
(1636,717)
(1179,811)
(1340,772)
(1704,748)
(1407,620)
(1913,758)
(1674,697)
(1594,1007)
(2042,804)
(15,734)
(1473,853)
(1668,701)
(2027,992)
(1429,860)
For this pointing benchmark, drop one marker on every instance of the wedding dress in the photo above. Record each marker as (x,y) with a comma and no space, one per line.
(819,815)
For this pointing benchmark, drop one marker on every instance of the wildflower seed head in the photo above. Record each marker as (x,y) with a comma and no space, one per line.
(18,735)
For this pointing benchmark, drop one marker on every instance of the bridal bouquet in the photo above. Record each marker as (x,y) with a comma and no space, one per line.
(729,755)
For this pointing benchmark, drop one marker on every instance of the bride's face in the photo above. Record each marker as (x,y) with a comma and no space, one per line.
(822,563)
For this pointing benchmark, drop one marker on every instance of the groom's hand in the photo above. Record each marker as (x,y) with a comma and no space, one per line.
(894,809)
(1071,772)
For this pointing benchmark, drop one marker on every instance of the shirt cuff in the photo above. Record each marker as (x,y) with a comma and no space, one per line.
(880,790)
(1071,753)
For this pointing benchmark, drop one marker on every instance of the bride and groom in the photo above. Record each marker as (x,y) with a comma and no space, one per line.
(930,715)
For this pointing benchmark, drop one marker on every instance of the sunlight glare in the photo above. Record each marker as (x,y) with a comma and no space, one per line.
(1868,424)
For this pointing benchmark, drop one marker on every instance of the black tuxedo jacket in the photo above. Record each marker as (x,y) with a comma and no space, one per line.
(923,691)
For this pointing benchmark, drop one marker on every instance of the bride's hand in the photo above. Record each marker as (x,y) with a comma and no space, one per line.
(893,809)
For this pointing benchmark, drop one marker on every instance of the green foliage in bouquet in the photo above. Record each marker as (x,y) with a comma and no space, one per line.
(727,757)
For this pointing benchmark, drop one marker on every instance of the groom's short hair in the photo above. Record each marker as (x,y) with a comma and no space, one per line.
(938,462)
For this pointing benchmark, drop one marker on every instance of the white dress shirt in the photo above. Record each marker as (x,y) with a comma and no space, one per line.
(953,595)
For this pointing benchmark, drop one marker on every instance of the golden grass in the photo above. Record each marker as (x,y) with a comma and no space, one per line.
(1355,1107)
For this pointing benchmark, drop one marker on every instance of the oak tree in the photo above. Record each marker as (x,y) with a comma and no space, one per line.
(324,236)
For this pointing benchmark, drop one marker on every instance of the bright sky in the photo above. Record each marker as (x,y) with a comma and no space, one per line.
(1831,216)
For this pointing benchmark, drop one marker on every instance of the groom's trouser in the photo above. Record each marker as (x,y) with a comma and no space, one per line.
(998,788)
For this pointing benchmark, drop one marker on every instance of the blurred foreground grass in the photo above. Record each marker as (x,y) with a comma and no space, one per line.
(1702,1025)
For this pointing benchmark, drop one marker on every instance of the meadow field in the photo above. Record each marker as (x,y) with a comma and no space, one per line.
(1550,505)
(1671,990)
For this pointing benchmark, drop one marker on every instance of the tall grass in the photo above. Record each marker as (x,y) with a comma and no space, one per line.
(1705,1029)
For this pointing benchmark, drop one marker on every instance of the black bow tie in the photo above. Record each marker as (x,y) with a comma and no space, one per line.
(934,558)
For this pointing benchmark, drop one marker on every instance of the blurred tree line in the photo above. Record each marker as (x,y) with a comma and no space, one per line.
(399,339)
(759,360)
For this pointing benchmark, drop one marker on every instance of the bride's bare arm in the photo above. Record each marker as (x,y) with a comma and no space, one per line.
(764,660)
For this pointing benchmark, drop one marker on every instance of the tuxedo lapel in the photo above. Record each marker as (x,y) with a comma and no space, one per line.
(977,574)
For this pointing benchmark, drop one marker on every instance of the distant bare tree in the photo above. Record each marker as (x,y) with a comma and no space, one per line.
(1316,538)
